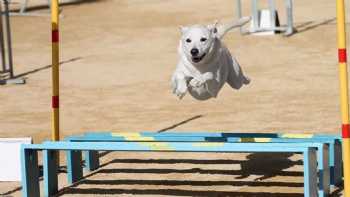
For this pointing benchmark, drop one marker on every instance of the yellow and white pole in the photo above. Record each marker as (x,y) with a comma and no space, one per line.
(344,96)
(55,136)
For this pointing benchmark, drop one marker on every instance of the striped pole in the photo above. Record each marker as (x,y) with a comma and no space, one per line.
(55,70)
(344,97)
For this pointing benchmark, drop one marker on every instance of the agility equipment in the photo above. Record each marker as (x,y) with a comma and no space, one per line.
(55,136)
(344,95)
(334,142)
(30,181)
(322,158)
(321,165)
(10,169)
(266,21)
(23,9)
(6,71)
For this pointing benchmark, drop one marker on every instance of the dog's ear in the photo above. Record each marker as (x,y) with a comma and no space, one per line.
(213,28)
(183,29)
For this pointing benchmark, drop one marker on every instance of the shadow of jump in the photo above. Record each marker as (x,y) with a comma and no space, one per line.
(176,192)
(309,25)
(46,67)
(261,164)
(191,183)
(270,165)
(338,191)
(196,170)
(176,161)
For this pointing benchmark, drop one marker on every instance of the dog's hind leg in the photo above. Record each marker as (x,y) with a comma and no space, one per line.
(236,79)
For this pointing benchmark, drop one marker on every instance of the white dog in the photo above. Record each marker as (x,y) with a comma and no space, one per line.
(205,63)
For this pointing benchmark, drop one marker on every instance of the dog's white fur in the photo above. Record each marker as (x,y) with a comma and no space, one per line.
(204,74)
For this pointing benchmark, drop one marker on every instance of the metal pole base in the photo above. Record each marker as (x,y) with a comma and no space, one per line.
(14,81)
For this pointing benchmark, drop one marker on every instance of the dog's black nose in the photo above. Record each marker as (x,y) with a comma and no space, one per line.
(194,52)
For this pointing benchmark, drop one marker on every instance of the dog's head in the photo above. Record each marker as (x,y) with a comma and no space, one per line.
(197,41)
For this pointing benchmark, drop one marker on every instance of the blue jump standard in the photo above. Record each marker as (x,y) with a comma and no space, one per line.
(334,142)
(315,162)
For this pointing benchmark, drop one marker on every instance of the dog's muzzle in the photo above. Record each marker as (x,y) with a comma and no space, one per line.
(196,59)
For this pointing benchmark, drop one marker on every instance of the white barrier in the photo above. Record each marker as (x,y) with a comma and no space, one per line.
(10,163)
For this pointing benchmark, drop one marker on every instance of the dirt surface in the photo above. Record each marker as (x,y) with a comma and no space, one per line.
(117,58)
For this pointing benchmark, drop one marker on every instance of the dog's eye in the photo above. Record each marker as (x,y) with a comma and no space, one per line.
(188,40)
(203,39)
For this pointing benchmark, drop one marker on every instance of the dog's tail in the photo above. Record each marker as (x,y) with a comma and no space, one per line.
(223,29)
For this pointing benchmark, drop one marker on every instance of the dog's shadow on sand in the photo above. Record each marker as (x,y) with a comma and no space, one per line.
(262,165)
(180,123)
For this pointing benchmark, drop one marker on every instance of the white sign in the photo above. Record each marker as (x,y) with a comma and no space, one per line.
(10,158)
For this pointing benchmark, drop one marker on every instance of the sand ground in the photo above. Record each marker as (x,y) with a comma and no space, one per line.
(117,57)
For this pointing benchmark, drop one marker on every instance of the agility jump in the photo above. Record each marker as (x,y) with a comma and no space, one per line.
(308,145)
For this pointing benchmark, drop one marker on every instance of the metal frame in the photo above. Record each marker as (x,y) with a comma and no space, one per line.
(5,36)
(2,42)
(288,30)
(23,9)
(7,72)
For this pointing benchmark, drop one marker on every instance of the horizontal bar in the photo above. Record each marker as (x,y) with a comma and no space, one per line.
(135,138)
(259,29)
(218,134)
(174,146)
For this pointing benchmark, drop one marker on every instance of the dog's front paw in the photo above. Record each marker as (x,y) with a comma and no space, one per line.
(180,94)
(196,83)
(180,91)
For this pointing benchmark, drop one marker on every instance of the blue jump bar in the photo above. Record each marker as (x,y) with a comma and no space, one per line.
(171,146)
(223,134)
(166,138)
